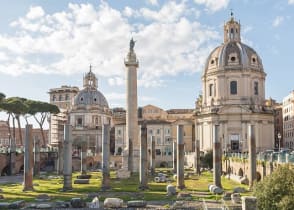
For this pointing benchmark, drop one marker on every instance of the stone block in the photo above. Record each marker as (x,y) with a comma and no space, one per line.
(43,198)
(84,176)
(62,204)
(244,180)
(184,196)
(4,205)
(123,174)
(77,203)
(227,196)
(137,204)
(44,206)
(157,179)
(249,203)
(95,203)
(17,204)
(81,181)
(215,189)
(113,203)
(239,190)
(171,190)
(236,198)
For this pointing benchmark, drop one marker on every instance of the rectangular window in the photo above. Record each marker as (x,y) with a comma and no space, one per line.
(255,88)
(158,141)
(233,87)
(210,89)
(158,131)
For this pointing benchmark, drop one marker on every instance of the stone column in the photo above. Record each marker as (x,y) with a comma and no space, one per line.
(217,156)
(143,159)
(249,203)
(252,155)
(12,156)
(175,156)
(152,155)
(36,156)
(84,157)
(67,164)
(197,157)
(60,158)
(28,159)
(105,157)
(180,157)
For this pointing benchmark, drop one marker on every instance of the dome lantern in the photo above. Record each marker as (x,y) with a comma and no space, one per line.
(90,80)
(232,30)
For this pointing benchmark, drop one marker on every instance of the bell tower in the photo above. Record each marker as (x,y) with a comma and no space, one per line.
(232,30)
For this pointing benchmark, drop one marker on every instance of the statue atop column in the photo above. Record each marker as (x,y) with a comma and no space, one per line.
(132,44)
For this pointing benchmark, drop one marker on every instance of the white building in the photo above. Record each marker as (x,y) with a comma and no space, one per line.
(288,120)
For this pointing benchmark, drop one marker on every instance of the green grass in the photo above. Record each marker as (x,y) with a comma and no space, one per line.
(127,189)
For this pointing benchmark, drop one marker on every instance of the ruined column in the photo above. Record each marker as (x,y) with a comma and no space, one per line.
(60,158)
(12,155)
(217,156)
(105,157)
(36,156)
(143,159)
(84,157)
(197,157)
(180,157)
(67,164)
(175,156)
(252,155)
(152,155)
(28,159)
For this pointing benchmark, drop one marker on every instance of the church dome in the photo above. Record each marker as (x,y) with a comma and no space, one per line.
(90,97)
(233,54)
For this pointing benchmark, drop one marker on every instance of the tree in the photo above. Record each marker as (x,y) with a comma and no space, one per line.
(2,96)
(44,109)
(276,192)
(207,159)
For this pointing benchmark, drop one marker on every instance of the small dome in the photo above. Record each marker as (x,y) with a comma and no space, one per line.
(90,97)
(233,56)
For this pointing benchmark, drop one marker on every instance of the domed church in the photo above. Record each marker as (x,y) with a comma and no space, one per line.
(233,96)
(89,112)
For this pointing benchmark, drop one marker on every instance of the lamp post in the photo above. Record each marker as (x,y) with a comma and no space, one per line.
(279,138)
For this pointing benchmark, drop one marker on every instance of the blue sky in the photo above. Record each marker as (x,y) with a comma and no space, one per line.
(46,44)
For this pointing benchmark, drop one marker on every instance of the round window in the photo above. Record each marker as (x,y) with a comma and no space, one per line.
(233,58)
(253,60)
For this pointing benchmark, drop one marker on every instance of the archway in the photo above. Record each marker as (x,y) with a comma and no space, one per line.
(258,176)
(240,172)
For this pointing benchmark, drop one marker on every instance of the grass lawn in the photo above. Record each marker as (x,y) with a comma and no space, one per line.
(127,189)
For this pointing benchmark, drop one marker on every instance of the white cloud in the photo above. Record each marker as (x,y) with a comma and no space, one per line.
(278,21)
(35,13)
(290,1)
(153,2)
(66,42)
(213,5)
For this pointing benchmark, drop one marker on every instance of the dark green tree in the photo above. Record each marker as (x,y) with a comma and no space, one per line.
(2,96)
(43,109)
(276,192)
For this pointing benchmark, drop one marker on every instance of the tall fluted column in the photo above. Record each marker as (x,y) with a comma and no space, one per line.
(105,157)
(180,157)
(197,157)
(67,166)
(132,150)
(174,156)
(252,155)
(152,155)
(217,155)
(28,159)
(143,159)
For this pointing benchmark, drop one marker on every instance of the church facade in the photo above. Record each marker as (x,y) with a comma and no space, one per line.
(233,96)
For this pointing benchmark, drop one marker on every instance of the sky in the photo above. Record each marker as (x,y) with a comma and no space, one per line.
(47,44)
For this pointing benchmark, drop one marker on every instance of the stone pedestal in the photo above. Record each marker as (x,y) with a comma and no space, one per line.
(105,158)
(249,203)
(36,156)
(28,159)
(180,157)
(217,157)
(67,169)
(252,155)
(143,173)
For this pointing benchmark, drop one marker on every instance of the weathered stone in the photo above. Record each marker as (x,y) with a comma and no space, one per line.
(244,180)
(157,179)
(95,203)
(62,204)
(17,204)
(227,196)
(113,203)
(84,176)
(123,174)
(171,190)
(93,195)
(186,176)
(215,189)
(81,181)
(4,205)
(44,206)
(77,203)
(249,203)
(137,204)
(43,197)
(175,177)
(236,198)
(239,190)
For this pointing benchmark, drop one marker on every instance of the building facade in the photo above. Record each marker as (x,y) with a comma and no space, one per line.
(233,97)
(288,120)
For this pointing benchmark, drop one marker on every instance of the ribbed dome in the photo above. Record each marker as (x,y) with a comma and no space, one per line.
(233,56)
(90,97)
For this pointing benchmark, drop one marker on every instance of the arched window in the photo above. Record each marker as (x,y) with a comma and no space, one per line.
(210,89)
(54,98)
(233,87)
(255,88)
